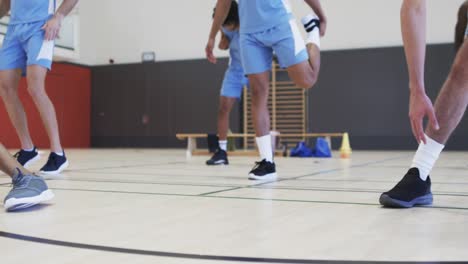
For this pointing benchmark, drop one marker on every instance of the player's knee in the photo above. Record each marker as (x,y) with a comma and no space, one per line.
(259,90)
(307,82)
(224,109)
(7,89)
(36,91)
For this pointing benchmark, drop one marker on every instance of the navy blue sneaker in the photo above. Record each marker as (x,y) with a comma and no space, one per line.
(27,158)
(219,158)
(410,191)
(263,171)
(55,164)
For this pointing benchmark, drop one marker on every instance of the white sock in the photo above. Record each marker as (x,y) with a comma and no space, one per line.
(264,147)
(59,153)
(223,144)
(29,150)
(313,36)
(426,156)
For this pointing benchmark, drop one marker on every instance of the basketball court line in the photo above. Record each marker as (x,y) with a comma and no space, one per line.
(120,250)
(126,166)
(246,198)
(231,185)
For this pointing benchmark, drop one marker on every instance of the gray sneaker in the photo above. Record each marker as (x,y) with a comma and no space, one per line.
(28,190)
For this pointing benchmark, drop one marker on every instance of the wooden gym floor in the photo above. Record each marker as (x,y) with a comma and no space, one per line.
(153,206)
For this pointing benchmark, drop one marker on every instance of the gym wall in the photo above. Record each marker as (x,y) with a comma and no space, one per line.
(145,105)
(178,29)
(361,91)
(69,88)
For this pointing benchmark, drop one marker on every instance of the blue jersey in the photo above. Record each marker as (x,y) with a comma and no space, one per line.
(28,11)
(260,15)
(234,48)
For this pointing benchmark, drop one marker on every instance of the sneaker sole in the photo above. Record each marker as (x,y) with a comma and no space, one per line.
(30,162)
(14,204)
(387,201)
(49,173)
(218,164)
(267,177)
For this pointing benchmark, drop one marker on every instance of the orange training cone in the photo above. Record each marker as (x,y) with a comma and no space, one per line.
(345,150)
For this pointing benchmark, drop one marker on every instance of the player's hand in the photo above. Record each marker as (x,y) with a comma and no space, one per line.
(52,27)
(209,51)
(420,107)
(323,27)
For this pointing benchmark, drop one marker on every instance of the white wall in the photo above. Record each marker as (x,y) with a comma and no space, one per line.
(178,29)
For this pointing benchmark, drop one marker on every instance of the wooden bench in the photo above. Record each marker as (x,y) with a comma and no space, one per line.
(193,150)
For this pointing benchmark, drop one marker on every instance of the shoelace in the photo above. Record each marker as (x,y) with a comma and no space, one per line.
(19,180)
(258,164)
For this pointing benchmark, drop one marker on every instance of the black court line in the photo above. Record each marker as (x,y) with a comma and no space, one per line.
(375,181)
(210,195)
(263,186)
(321,189)
(249,198)
(330,171)
(166,254)
(153,183)
(227,177)
(126,166)
(221,191)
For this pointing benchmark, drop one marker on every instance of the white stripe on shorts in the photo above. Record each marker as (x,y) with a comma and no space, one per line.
(51,7)
(299,44)
(47,51)
(287,6)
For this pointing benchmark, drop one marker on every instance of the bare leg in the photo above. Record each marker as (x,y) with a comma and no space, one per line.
(8,164)
(225,107)
(452,101)
(36,87)
(305,74)
(9,91)
(260,85)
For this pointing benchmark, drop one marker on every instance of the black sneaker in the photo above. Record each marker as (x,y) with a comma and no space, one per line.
(263,170)
(27,158)
(409,192)
(219,158)
(55,164)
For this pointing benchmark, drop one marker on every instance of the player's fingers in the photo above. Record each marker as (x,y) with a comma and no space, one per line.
(418,122)
(413,129)
(433,120)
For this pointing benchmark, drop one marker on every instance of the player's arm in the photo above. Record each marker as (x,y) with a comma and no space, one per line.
(4,7)
(8,164)
(461,28)
(413,27)
(224,42)
(317,7)
(52,27)
(222,10)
